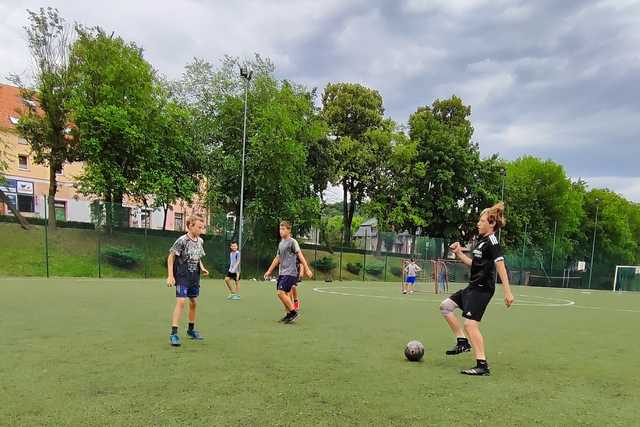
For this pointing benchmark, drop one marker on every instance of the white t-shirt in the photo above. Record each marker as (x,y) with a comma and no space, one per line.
(411,269)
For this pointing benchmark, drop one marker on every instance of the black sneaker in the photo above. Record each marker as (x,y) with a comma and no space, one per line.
(292,317)
(460,347)
(477,371)
(284,319)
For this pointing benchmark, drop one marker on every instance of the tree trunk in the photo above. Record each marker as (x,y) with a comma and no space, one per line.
(22,220)
(346,219)
(51,201)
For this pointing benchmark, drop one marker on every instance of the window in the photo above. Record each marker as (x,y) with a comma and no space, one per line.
(178,222)
(25,203)
(14,120)
(61,211)
(23,162)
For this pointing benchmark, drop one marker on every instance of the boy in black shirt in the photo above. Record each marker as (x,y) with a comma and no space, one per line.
(473,300)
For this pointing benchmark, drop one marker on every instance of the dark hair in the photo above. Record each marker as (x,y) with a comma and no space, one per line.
(413,260)
(233,242)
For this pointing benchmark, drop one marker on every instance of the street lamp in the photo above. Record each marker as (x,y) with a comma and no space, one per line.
(593,247)
(246,74)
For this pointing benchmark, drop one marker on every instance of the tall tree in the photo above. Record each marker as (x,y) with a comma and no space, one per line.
(451,164)
(114,101)
(45,123)
(352,112)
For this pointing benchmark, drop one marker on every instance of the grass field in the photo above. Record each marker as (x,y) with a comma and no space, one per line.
(95,352)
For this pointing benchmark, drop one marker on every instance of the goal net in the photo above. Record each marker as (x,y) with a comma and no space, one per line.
(565,281)
(627,278)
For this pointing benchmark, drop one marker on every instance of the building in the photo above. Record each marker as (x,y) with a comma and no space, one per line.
(27,183)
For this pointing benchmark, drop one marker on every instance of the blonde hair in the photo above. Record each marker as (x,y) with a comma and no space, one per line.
(495,215)
(285,224)
(192,219)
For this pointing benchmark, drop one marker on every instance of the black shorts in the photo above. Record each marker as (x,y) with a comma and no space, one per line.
(232,276)
(472,301)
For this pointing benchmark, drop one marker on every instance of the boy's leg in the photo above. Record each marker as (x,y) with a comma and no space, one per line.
(177,312)
(285,300)
(447,308)
(227,281)
(191,331)
(472,328)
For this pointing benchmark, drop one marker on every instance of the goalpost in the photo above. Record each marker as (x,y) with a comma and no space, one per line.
(626,278)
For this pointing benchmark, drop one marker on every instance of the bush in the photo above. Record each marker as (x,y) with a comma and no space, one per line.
(396,271)
(354,268)
(121,257)
(375,268)
(324,264)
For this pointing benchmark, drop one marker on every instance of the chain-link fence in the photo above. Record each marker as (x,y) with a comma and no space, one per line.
(130,242)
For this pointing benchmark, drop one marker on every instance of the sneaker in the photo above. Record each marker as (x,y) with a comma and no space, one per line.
(460,347)
(404,292)
(284,319)
(195,335)
(235,297)
(296,305)
(477,371)
(174,340)
(292,318)
(230,297)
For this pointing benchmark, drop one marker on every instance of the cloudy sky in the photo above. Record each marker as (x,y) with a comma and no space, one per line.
(556,79)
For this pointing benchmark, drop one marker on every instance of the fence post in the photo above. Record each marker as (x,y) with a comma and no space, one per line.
(386,261)
(341,251)
(46,235)
(524,248)
(146,258)
(99,258)
(364,256)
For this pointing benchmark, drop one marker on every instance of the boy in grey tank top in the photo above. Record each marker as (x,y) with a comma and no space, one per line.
(286,260)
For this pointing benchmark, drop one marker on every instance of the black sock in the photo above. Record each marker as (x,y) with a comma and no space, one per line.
(191,325)
(292,312)
(295,300)
(482,363)
(174,330)
(463,340)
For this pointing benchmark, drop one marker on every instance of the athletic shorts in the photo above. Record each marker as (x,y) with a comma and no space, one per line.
(472,301)
(188,286)
(411,280)
(285,283)
(232,276)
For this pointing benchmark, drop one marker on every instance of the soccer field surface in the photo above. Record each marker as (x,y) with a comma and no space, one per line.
(96,352)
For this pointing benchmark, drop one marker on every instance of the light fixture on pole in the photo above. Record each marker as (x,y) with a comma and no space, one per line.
(246,74)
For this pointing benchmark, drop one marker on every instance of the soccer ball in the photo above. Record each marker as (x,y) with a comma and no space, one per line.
(414,351)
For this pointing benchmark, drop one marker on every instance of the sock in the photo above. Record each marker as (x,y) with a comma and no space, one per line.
(174,330)
(462,340)
(295,300)
(191,325)
(292,312)
(482,363)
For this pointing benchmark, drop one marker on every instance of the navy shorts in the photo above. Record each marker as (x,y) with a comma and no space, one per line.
(188,286)
(285,283)
(411,280)
(232,276)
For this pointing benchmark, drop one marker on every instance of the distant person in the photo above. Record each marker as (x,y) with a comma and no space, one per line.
(412,269)
(232,279)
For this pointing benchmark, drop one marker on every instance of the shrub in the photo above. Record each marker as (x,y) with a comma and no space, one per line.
(396,271)
(121,257)
(354,268)
(375,268)
(324,264)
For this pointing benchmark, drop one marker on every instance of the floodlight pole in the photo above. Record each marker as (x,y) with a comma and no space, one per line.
(503,172)
(246,75)
(593,246)
(553,250)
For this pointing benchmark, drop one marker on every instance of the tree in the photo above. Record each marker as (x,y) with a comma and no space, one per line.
(540,194)
(282,125)
(45,123)
(352,112)
(174,169)
(450,167)
(114,101)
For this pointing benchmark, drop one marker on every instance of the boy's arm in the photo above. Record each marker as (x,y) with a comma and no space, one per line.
(303,261)
(170,279)
(457,250)
(272,267)
(205,272)
(504,278)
